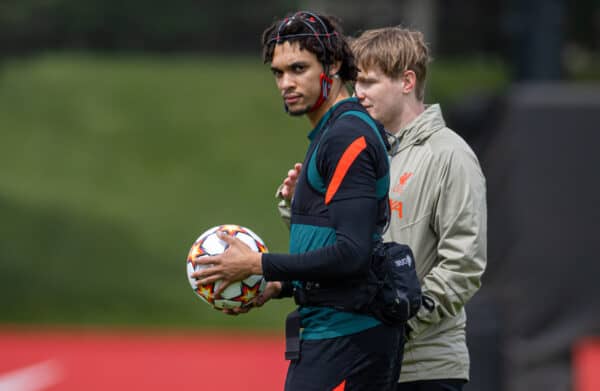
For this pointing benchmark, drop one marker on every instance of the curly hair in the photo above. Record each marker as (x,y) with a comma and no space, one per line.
(319,34)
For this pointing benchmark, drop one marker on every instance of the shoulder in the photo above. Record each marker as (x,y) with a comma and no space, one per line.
(356,123)
(451,158)
(448,146)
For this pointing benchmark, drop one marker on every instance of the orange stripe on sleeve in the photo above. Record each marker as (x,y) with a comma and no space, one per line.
(348,157)
(340,387)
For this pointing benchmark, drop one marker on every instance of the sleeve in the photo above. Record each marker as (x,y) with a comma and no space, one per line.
(460,221)
(348,161)
(348,257)
(348,169)
(287,290)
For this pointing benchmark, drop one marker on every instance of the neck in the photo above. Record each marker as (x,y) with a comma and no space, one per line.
(411,110)
(337,93)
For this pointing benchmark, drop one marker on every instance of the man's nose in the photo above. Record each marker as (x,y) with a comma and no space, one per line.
(285,82)
(358,92)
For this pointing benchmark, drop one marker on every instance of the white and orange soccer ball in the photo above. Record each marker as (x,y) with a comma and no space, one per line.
(238,293)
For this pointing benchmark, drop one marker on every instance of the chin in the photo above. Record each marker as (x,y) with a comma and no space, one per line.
(296,112)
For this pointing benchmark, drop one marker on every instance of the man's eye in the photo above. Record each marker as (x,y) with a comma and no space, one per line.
(276,73)
(298,68)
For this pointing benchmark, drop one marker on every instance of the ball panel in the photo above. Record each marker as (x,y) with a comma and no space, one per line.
(250,289)
(247,239)
(232,291)
(253,279)
(262,248)
(206,293)
(195,252)
(213,245)
(226,304)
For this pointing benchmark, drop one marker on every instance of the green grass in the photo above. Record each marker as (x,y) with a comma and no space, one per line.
(110,167)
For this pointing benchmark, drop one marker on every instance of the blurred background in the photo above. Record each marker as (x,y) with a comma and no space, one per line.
(127,128)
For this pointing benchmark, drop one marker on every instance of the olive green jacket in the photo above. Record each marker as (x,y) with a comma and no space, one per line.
(438,208)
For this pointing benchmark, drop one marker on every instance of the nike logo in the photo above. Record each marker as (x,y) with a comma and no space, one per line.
(35,377)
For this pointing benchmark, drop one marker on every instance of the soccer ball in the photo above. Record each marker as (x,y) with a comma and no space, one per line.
(238,293)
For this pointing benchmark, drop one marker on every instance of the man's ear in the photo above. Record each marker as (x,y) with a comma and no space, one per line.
(335,68)
(409,80)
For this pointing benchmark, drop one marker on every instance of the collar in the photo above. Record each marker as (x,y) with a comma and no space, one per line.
(327,116)
(419,129)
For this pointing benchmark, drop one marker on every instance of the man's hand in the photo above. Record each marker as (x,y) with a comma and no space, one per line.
(272,290)
(236,263)
(289,183)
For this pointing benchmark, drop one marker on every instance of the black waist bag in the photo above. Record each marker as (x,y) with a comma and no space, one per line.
(391,292)
(399,297)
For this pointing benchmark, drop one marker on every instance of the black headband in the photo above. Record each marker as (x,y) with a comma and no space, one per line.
(308,19)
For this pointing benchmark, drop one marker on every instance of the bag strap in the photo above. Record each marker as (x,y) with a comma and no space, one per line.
(368,120)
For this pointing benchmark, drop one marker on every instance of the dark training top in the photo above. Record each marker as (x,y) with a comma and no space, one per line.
(339,210)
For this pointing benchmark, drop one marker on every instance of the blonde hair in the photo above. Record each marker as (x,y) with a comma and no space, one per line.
(394,50)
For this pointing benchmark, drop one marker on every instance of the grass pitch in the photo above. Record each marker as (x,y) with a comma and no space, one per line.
(110,167)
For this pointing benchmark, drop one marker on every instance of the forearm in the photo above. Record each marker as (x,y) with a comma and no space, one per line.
(348,256)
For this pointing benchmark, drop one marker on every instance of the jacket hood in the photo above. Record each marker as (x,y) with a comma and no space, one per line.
(418,130)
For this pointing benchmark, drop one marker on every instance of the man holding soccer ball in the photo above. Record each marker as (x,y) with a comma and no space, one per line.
(338,214)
